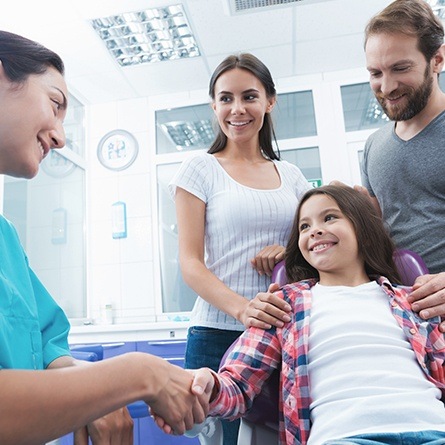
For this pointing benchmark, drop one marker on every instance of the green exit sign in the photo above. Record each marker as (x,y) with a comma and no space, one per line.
(315,182)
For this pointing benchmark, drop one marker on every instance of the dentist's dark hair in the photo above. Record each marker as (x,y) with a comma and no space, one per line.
(252,64)
(375,245)
(21,57)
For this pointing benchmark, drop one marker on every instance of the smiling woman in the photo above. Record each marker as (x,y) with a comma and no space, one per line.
(235,203)
(240,105)
(33,327)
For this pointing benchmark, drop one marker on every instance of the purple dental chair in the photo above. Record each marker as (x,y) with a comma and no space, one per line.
(410,266)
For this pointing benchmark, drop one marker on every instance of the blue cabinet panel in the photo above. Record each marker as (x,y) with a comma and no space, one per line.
(171,350)
(145,430)
(104,351)
(150,434)
(113,349)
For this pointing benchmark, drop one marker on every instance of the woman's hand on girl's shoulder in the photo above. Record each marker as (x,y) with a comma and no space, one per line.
(267,309)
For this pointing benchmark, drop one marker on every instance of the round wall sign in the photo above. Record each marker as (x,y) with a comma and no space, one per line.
(117,150)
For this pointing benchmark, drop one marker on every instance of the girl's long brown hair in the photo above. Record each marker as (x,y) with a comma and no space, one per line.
(374,243)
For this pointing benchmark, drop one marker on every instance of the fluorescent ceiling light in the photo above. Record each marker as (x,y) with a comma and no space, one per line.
(151,35)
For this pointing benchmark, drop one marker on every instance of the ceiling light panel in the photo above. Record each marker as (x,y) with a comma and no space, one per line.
(151,35)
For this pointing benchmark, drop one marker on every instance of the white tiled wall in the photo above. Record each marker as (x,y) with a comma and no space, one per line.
(58,265)
(120,271)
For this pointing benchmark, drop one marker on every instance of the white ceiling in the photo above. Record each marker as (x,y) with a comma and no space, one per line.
(292,40)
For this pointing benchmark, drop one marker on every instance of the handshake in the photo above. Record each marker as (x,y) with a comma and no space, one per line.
(181,398)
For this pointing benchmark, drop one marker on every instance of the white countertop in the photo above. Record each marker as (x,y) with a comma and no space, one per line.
(128,332)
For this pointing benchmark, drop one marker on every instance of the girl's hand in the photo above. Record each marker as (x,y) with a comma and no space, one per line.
(266,310)
(266,258)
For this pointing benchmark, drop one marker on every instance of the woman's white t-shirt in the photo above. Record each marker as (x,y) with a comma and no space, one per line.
(240,221)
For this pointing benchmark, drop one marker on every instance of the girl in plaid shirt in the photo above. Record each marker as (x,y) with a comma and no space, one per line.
(357,365)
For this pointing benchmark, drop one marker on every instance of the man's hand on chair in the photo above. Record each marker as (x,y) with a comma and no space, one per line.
(428,297)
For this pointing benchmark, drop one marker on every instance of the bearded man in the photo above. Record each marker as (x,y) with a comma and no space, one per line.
(403,168)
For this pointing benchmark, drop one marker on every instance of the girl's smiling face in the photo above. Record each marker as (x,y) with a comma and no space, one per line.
(328,242)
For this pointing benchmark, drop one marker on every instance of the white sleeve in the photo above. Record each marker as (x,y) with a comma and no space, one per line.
(296,178)
(192,177)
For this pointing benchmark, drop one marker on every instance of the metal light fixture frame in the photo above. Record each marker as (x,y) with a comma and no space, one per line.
(150,35)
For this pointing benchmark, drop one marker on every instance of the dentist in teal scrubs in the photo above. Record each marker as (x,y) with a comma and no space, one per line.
(33,328)
(45,393)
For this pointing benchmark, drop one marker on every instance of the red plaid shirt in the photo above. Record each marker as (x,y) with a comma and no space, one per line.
(258,352)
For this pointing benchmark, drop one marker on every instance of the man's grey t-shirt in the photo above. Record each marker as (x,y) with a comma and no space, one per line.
(408,179)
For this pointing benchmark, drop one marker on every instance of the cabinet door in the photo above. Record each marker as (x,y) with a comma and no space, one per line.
(173,351)
(108,350)
(150,434)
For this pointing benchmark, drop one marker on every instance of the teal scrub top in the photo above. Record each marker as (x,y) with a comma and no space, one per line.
(33,328)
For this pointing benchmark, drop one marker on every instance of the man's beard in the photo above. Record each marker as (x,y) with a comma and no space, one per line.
(416,99)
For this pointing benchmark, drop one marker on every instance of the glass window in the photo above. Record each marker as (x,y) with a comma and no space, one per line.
(442,81)
(294,115)
(48,213)
(308,161)
(74,126)
(185,128)
(191,128)
(176,295)
(361,110)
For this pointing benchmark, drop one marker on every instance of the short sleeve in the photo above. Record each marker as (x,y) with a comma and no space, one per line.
(34,327)
(54,324)
(295,177)
(192,176)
